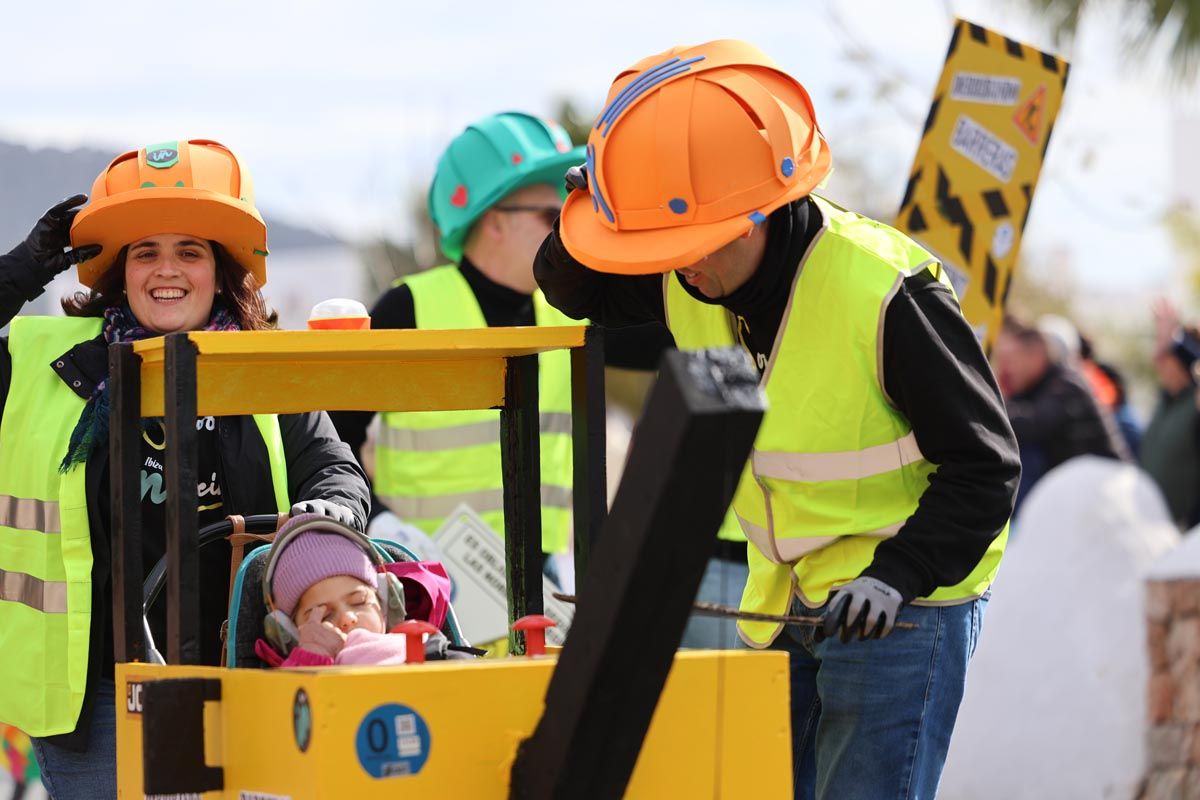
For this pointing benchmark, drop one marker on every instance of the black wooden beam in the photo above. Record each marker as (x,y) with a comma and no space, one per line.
(693,441)
(183,575)
(173,737)
(124,468)
(588,440)
(520,463)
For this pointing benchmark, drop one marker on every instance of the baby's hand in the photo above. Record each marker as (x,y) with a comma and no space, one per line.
(318,636)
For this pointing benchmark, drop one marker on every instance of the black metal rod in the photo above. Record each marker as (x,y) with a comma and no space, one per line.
(588,445)
(520,464)
(183,571)
(124,467)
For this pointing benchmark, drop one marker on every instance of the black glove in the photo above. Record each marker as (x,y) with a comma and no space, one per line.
(50,238)
(865,607)
(577,178)
(335,511)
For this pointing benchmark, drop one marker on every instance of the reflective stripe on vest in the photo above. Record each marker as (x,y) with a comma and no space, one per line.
(836,468)
(45,542)
(40,595)
(429,463)
(484,502)
(29,515)
(468,435)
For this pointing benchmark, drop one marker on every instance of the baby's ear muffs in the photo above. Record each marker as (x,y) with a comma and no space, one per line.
(280,632)
(391,600)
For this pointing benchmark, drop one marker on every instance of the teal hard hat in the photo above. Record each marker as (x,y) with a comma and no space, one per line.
(493,158)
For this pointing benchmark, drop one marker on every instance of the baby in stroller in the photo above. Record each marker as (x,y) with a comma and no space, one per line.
(331,599)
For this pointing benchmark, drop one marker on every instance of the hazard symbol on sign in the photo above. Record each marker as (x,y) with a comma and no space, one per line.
(1028,118)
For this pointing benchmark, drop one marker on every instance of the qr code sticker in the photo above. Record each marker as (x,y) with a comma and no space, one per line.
(406,725)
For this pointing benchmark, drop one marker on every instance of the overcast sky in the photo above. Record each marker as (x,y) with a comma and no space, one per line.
(340,109)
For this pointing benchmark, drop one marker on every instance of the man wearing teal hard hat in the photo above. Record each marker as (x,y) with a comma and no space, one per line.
(496,193)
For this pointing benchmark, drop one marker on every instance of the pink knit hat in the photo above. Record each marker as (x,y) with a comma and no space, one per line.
(313,556)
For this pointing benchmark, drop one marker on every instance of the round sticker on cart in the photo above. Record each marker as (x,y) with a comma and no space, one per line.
(392,741)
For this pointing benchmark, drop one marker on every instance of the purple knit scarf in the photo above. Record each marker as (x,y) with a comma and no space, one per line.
(120,325)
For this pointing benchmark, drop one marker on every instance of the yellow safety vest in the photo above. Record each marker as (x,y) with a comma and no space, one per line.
(427,463)
(45,538)
(835,467)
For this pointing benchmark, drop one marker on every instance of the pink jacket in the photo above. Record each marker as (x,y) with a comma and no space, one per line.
(362,648)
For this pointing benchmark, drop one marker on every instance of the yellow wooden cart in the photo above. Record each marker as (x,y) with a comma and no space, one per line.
(611,721)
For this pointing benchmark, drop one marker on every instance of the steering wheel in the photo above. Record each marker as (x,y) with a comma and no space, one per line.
(157,578)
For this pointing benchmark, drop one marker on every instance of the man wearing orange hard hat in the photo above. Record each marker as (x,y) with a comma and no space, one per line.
(882,479)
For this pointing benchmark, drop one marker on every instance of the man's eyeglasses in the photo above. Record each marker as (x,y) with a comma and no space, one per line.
(547,213)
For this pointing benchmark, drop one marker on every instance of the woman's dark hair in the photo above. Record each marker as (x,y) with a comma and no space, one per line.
(235,286)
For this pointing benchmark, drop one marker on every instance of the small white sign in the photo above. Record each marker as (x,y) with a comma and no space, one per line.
(983,148)
(474,557)
(244,795)
(992,89)
(1002,240)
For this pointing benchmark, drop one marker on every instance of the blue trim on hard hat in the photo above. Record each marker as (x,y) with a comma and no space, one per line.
(645,82)
(594,183)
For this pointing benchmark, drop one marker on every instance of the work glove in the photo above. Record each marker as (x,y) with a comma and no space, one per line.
(577,178)
(327,508)
(865,608)
(50,238)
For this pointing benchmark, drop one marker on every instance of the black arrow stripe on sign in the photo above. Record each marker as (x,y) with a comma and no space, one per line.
(996,206)
(1050,63)
(1027,190)
(990,274)
(908,190)
(951,208)
(978,33)
(916,221)
(954,38)
(1008,282)
(1014,48)
(933,110)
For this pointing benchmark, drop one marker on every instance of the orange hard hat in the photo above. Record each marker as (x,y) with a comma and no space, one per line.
(196,187)
(694,147)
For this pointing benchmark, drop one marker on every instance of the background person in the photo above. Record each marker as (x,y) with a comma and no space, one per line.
(1053,411)
(1171,443)
(171,242)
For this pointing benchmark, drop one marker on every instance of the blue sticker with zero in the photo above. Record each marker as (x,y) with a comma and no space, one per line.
(392,741)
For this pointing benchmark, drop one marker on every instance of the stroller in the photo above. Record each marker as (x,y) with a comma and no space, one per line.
(247,607)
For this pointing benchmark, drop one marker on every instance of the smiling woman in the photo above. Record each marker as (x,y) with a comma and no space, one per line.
(170,242)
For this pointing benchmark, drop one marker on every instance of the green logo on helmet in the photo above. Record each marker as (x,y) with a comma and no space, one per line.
(163,156)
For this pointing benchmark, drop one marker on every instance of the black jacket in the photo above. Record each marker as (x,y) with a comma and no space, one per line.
(1060,415)
(934,371)
(319,466)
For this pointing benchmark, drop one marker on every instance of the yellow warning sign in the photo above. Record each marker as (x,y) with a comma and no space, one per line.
(978,163)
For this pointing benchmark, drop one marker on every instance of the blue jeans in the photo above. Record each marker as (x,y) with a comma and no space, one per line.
(91,775)
(723,583)
(872,720)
